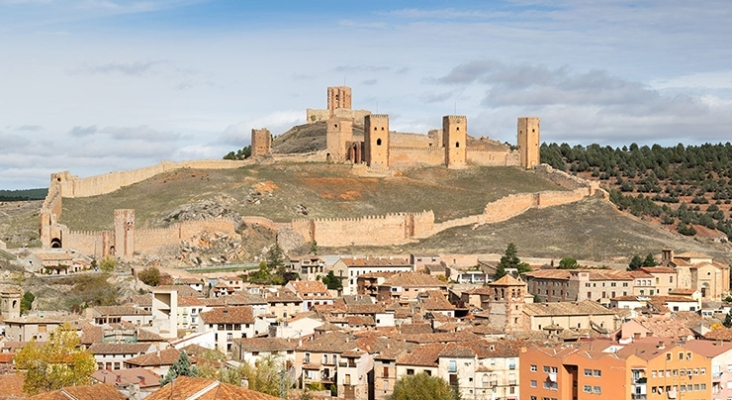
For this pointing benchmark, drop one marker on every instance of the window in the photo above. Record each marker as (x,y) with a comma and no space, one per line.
(546,369)
(597,372)
(668,356)
(410,371)
(703,386)
(533,384)
(588,372)
(453,366)
(533,368)
(348,379)
(587,389)
(681,355)
(688,356)
(703,371)
(597,389)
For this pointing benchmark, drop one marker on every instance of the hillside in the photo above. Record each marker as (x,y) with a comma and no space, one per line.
(306,138)
(687,189)
(282,192)
(591,229)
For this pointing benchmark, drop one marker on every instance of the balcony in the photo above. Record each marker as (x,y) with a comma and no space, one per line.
(716,376)
(639,396)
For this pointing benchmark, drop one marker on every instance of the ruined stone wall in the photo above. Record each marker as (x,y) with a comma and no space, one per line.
(261,142)
(549,199)
(153,240)
(87,242)
(492,158)
(508,207)
(110,182)
(566,180)
(400,139)
(413,156)
(314,115)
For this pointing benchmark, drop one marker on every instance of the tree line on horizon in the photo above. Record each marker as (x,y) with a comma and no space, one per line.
(679,185)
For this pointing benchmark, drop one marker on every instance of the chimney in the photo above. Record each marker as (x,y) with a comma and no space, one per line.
(661,345)
(119,379)
(667,256)
(142,380)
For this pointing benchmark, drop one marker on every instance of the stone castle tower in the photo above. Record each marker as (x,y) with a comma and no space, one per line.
(506,303)
(261,142)
(528,141)
(339,132)
(376,140)
(338,97)
(10,299)
(124,233)
(455,140)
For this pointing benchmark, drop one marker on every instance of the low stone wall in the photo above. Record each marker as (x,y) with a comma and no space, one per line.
(492,158)
(402,156)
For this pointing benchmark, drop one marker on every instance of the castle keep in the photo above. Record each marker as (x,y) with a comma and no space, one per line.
(451,146)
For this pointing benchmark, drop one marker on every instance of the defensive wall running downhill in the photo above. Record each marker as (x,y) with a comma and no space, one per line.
(381,230)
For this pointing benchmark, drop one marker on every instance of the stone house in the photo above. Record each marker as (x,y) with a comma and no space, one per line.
(189,311)
(251,350)
(113,355)
(309,268)
(101,315)
(407,286)
(158,362)
(570,316)
(579,284)
(196,284)
(229,323)
(698,271)
(311,292)
(27,328)
(664,281)
(316,360)
(349,269)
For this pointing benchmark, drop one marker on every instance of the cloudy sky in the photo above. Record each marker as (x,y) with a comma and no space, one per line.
(93,86)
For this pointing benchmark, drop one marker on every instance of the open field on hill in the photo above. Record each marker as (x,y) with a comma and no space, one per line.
(19,223)
(591,229)
(283,192)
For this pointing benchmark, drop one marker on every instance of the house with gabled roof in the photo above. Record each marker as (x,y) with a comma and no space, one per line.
(348,269)
(700,272)
(229,323)
(251,350)
(311,292)
(112,355)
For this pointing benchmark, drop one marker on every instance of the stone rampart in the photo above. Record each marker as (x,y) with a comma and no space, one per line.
(489,158)
(508,207)
(153,240)
(549,199)
(402,156)
(566,180)
(400,139)
(87,242)
(110,182)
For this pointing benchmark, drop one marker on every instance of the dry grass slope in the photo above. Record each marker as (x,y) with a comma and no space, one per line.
(326,190)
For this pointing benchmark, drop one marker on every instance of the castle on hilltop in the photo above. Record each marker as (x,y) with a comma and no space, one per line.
(381,148)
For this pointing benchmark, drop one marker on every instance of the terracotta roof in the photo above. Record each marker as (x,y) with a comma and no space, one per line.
(708,348)
(585,307)
(143,300)
(640,274)
(119,311)
(185,388)
(724,334)
(445,337)
(507,280)
(144,335)
(122,377)
(410,329)
(280,295)
(411,279)
(163,357)
(692,254)
(91,334)
(376,262)
(265,344)
(183,290)
(308,287)
(434,301)
(12,387)
(658,270)
(189,301)
(457,350)
(119,348)
(87,392)
(229,315)
(426,355)
(360,320)
(365,309)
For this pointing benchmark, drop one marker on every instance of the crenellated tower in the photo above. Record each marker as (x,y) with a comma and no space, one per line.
(339,132)
(124,233)
(338,97)
(261,142)
(455,138)
(528,141)
(376,140)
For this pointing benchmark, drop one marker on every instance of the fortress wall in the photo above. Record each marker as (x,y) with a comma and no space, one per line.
(313,115)
(399,139)
(110,182)
(453,223)
(190,229)
(566,180)
(86,242)
(382,230)
(150,240)
(423,223)
(549,199)
(254,220)
(508,207)
(492,158)
(409,156)
(316,156)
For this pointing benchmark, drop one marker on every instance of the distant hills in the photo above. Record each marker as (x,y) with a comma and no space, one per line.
(23,195)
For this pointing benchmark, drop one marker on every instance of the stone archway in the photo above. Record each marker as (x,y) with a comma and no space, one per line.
(56,243)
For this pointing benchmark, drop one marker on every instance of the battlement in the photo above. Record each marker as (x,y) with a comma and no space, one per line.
(379,116)
(457,118)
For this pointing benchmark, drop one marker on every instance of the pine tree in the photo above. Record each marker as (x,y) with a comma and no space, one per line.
(649,261)
(635,263)
(182,367)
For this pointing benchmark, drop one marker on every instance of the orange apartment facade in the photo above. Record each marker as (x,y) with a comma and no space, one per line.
(645,370)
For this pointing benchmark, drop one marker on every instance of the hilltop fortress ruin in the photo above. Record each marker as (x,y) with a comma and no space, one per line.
(378,151)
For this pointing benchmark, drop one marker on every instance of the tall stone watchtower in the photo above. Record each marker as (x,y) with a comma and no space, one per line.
(455,138)
(376,140)
(261,142)
(506,303)
(528,141)
(339,131)
(10,299)
(124,233)
(339,97)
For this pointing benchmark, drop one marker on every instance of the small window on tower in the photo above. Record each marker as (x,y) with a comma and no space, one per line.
(457,144)
(458,128)
(378,142)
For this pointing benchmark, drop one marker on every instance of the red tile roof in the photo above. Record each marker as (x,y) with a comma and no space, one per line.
(184,388)
(229,315)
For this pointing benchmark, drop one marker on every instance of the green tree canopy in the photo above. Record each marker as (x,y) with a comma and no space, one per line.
(649,261)
(568,263)
(510,260)
(422,387)
(150,276)
(635,263)
(265,376)
(182,367)
(26,303)
(332,281)
(57,364)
